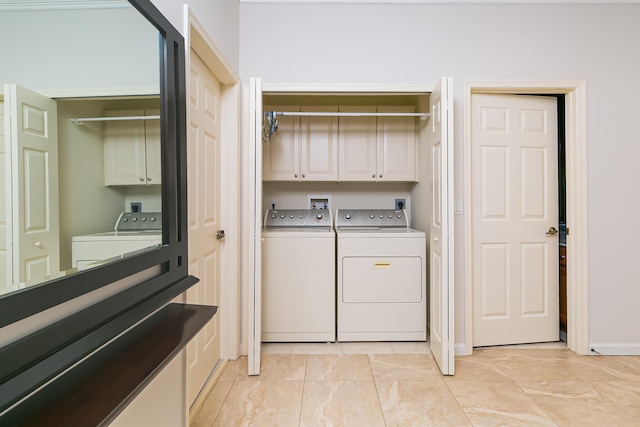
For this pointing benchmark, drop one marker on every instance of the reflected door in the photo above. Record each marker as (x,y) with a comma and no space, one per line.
(31,144)
(514,203)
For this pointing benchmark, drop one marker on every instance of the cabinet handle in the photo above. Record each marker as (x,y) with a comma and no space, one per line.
(380,175)
(303,175)
(295,175)
(141,179)
(373,175)
(148,179)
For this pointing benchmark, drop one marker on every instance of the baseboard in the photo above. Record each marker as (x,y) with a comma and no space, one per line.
(460,349)
(615,349)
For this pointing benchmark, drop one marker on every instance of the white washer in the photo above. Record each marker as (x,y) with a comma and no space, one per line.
(298,276)
(381,276)
(132,232)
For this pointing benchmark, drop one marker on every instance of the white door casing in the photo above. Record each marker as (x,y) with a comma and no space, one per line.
(514,202)
(5,281)
(255,249)
(31,144)
(441,260)
(204,210)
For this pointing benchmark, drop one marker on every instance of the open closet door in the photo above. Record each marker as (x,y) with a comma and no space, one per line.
(31,144)
(255,257)
(441,317)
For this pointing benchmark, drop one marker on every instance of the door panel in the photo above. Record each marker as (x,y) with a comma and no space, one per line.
(357,145)
(281,160)
(514,202)
(441,317)
(319,146)
(32,143)
(203,150)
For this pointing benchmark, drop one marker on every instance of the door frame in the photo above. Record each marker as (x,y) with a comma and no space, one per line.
(197,38)
(575,92)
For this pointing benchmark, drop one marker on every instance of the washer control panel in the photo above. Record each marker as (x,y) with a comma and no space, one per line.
(298,218)
(139,221)
(372,218)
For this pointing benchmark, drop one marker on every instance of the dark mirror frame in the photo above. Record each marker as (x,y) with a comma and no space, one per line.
(76,335)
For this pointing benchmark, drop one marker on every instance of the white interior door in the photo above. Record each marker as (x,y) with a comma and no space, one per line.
(514,203)
(203,150)
(31,143)
(5,280)
(441,317)
(255,251)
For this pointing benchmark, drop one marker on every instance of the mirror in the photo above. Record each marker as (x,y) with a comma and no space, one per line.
(64,183)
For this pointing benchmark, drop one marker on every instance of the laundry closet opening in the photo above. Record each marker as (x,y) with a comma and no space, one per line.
(333,156)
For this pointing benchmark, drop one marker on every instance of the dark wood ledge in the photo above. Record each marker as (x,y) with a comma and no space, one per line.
(97,389)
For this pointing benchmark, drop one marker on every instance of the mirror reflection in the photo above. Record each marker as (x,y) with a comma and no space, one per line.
(76,193)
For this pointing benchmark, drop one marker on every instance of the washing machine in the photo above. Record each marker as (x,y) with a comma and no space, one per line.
(381,276)
(133,231)
(298,276)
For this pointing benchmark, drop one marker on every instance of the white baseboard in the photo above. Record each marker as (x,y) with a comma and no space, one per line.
(460,349)
(615,349)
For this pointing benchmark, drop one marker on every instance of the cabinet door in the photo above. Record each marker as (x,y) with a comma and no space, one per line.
(396,145)
(281,158)
(319,146)
(357,146)
(152,148)
(124,150)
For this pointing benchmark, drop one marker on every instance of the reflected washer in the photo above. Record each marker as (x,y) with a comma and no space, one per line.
(133,231)
(381,275)
(298,276)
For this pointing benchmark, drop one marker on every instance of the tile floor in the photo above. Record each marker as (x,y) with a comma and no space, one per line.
(398,384)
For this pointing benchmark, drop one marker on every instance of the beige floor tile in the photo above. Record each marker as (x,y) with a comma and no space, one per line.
(533,365)
(478,366)
(419,403)
(401,367)
(630,361)
(577,403)
(275,348)
(211,406)
(233,367)
(557,345)
(338,367)
(367,348)
(340,403)
(511,347)
(625,394)
(262,403)
(290,367)
(602,368)
(498,403)
(316,348)
(411,347)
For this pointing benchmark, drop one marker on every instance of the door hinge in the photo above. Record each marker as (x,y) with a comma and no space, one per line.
(566,230)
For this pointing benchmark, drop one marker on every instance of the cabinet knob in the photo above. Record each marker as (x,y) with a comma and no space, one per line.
(295,175)
(373,175)
(380,175)
(303,175)
(141,179)
(148,179)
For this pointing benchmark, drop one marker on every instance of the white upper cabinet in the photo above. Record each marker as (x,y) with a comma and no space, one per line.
(303,148)
(377,149)
(396,145)
(342,148)
(319,143)
(358,146)
(132,149)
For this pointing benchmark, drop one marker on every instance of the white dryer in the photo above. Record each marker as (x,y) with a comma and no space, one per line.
(381,276)
(298,276)
(133,231)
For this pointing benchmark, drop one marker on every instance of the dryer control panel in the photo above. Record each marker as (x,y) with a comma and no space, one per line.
(380,218)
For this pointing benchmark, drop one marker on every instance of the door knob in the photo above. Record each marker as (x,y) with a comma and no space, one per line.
(552,231)
(38,244)
(220,235)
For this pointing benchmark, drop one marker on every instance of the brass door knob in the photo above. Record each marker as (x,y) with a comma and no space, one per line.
(552,231)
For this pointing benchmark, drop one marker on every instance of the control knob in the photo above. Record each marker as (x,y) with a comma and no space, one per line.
(319,216)
(347,216)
